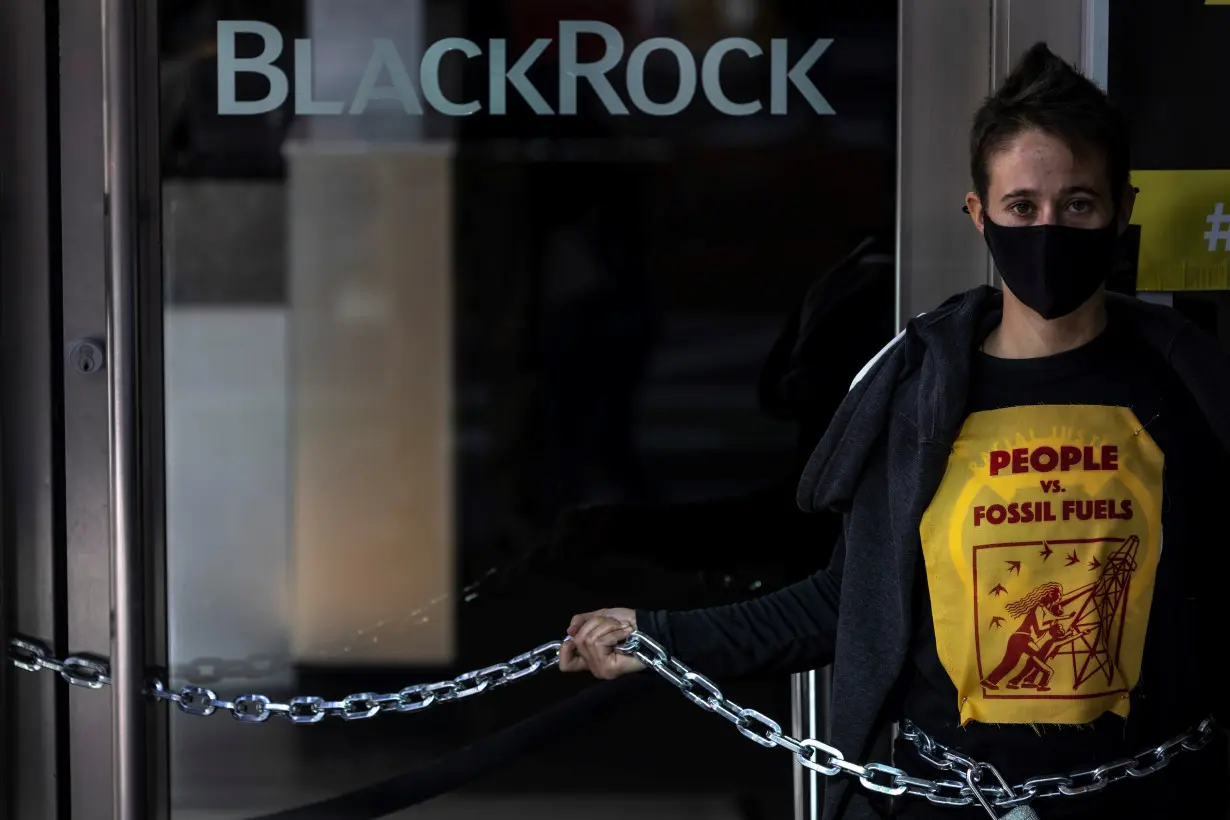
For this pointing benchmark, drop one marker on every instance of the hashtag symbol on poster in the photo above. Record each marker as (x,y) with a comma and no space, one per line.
(1220,222)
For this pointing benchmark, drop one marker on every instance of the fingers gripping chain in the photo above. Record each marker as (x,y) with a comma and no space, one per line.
(968,786)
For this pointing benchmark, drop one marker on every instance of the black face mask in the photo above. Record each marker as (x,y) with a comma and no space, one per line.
(1052,269)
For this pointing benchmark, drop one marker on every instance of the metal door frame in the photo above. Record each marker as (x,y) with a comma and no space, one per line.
(130,123)
(80,260)
(33,464)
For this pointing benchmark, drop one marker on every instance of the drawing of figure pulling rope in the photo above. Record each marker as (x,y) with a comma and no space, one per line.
(1034,641)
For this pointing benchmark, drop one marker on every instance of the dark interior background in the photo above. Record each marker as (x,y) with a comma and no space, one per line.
(646,392)
(1161,58)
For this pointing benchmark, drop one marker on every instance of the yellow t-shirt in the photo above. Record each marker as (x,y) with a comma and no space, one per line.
(1041,547)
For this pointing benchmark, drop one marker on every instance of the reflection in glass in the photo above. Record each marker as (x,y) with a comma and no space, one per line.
(434,384)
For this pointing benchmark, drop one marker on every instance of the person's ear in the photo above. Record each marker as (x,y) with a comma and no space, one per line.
(1126,203)
(973,207)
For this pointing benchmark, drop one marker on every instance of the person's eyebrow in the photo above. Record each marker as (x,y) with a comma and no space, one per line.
(1026,193)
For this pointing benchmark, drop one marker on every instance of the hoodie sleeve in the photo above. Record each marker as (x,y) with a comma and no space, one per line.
(791,630)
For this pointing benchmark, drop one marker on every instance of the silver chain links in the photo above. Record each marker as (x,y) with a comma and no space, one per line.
(79,670)
(970,789)
(92,673)
(1069,785)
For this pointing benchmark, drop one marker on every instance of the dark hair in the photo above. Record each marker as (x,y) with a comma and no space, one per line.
(1046,93)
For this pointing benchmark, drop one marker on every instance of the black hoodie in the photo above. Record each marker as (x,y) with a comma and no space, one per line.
(880,463)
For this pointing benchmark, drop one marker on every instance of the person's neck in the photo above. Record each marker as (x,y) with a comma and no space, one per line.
(1023,334)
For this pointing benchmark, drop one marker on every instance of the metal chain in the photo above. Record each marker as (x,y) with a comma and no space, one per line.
(93,673)
(884,779)
(1069,785)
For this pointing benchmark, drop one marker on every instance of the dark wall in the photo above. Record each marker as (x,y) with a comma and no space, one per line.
(1168,73)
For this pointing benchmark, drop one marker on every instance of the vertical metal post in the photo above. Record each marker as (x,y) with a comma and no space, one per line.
(811,695)
(945,52)
(809,709)
(1095,24)
(151,391)
(35,734)
(823,682)
(6,800)
(127,577)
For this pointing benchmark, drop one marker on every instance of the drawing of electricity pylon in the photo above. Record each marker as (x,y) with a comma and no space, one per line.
(1097,624)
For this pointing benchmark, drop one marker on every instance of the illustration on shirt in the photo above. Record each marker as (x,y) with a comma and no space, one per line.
(1075,627)
(1033,641)
(1041,547)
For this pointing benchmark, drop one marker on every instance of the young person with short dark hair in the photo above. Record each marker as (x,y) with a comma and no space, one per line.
(1032,480)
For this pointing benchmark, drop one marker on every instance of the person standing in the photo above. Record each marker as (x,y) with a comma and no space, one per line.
(1043,433)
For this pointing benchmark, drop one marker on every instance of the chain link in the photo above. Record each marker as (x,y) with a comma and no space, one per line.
(970,789)
(79,670)
(92,673)
(1082,782)
(968,786)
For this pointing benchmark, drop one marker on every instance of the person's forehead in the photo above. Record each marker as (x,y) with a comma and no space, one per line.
(1038,159)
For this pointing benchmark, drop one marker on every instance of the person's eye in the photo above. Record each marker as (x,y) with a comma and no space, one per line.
(1021,208)
(1080,206)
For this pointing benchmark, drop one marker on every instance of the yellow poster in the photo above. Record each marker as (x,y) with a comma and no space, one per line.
(1041,547)
(1184,219)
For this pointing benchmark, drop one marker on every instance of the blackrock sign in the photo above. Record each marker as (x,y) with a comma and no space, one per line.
(386,76)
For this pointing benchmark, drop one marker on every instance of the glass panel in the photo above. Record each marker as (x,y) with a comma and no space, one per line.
(437,382)
(1178,160)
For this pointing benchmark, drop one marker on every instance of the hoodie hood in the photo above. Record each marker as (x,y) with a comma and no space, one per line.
(836,465)
(841,321)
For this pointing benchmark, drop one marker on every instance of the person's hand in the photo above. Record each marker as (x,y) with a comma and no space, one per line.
(594,638)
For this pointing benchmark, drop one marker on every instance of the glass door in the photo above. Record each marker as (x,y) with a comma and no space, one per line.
(315,405)
(435,381)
